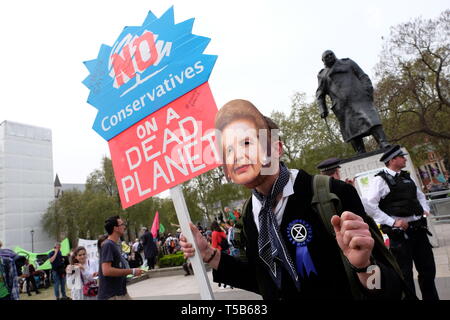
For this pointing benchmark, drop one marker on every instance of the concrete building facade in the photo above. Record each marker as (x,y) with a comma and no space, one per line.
(26,185)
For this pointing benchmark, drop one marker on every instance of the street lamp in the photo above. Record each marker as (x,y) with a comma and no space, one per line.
(32,240)
(58,191)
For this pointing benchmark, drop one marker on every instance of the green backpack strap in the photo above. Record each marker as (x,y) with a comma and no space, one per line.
(327,205)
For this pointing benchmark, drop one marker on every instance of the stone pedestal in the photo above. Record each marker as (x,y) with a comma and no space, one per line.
(364,167)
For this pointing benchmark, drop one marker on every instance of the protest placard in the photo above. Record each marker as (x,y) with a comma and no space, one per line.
(156,111)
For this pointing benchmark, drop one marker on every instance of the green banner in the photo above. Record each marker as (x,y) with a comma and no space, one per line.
(32,256)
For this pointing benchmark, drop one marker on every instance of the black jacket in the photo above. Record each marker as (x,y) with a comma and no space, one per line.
(331,281)
(149,245)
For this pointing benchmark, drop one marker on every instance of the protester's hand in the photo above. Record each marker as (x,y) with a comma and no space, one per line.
(138,272)
(324,114)
(400,223)
(354,238)
(79,265)
(188,248)
(95,274)
(426,213)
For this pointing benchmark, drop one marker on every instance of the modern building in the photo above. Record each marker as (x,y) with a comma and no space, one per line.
(26,185)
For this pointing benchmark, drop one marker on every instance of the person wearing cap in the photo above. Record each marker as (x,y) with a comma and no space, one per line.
(330,167)
(287,254)
(395,202)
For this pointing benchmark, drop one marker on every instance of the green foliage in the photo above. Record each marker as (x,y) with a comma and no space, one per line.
(207,194)
(78,214)
(172,260)
(413,89)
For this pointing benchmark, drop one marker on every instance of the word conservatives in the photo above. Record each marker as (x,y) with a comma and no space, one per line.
(157,92)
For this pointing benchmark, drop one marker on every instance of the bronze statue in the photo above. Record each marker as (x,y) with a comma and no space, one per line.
(351,93)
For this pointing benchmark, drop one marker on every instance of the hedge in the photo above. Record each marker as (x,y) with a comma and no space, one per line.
(172,260)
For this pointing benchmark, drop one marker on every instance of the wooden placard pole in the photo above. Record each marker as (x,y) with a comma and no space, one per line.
(181,209)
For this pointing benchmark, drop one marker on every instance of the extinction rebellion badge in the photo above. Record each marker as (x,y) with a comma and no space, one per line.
(300,233)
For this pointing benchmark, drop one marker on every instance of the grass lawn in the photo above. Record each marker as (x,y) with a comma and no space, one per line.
(45,294)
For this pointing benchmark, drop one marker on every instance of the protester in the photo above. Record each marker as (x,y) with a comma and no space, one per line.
(113,271)
(218,239)
(9,275)
(150,249)
(9,285)
(28,272)
(187,267)
(280,225)
(395,202)
(218,236)
(58,272)
(171,243)
(135,246)
(81,273)
(233,250)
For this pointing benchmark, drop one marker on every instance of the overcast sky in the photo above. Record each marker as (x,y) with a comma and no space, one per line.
(267,50)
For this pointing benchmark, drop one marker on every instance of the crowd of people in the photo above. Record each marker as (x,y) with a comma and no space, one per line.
(106,277)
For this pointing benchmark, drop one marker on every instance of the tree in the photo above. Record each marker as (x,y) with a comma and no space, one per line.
(412,90)
(82,214)
(60,219)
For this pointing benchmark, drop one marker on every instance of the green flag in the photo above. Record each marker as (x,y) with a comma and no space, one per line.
(161,228)
(65,247)
(32,256)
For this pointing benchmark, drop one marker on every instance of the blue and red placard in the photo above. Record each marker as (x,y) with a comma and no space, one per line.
(147,68)
(155,107)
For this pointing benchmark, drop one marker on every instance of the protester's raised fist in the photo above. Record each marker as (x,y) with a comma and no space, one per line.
(354,238)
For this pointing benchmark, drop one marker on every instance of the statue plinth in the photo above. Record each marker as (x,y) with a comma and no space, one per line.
(363,167)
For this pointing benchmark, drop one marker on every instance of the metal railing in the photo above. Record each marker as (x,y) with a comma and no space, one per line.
(440,212)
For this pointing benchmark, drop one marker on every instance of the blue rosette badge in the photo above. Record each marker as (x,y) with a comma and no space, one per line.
(300,234)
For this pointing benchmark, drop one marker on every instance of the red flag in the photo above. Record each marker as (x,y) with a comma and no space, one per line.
(155,225)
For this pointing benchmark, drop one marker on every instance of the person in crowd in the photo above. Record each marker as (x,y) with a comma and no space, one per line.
(229,215)
(113,271)
(233,250)
(289,253)
(28,272)
(58,272)
(218,236)
(81,272)
(200,228)
(394,201)
(150,249)
(236,214)
(218,240)
(187,267)
(135,246)
(9,284)
(330,167)
(171,243)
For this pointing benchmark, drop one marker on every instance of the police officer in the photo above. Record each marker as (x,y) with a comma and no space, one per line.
(330,167)
(395,202)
